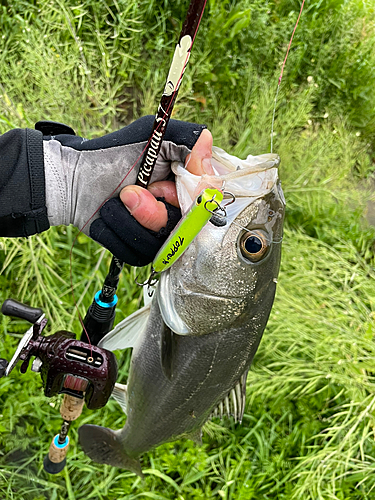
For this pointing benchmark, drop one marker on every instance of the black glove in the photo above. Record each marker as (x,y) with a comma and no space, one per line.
(78,176)
(125,237)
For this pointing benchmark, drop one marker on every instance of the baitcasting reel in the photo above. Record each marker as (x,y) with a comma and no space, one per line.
(82,372)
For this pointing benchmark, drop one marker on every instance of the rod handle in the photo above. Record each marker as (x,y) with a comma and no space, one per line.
(55,461)
(71,407)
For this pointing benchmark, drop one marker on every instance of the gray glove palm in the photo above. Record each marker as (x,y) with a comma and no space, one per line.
(80,174)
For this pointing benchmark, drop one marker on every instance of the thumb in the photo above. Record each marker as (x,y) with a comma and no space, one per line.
(144,207)
(198,162)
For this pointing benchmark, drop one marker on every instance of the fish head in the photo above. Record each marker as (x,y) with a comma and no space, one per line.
(228,274)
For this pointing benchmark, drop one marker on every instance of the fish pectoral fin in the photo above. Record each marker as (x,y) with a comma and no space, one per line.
(195,436)
(167,306)
(120,394)
(167,351)
(104,446)
(127,332)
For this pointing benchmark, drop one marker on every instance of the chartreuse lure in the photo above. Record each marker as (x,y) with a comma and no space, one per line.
(187,229)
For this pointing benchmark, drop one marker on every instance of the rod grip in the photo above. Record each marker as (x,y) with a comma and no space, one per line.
(55,461)
(71,407)
(58,452)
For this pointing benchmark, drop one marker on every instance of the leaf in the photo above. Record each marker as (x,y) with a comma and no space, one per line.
(163,476)
(241,24)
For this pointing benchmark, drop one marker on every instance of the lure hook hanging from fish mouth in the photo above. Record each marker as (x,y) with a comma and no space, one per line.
(219,207)
(218,219)
(150,282)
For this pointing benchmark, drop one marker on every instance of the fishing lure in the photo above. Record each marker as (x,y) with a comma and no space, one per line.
(187,229)
(201,211)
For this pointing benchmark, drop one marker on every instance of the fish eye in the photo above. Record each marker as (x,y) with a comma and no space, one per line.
(199,200)
(254,245)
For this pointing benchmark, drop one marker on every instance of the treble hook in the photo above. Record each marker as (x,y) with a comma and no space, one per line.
(232,200)
(150,282)
(218,219)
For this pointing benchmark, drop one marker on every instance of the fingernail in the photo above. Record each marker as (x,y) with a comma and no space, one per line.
(130,199)
(207,166)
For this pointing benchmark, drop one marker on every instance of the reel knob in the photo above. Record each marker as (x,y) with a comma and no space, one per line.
(12,307)
(3,366)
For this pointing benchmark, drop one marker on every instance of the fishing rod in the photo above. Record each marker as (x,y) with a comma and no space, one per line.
(101,314)
(77,385)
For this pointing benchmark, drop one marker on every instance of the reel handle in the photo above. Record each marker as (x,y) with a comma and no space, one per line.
(12,307)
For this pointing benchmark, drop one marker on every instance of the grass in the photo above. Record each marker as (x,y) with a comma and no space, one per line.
(308,429)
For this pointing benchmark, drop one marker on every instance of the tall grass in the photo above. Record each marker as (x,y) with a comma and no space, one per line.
(308,430)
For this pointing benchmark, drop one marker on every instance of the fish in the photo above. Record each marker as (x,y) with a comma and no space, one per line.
(194,342)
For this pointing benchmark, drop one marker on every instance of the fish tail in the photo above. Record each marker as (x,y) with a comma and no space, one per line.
(104,446)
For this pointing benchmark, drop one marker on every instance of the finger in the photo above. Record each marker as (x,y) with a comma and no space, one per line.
(198,162)
(166,190)
(144,207)
(115,216)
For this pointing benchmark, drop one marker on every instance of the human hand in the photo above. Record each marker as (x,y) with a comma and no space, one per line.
(143,204)
(81,175)
(135,230)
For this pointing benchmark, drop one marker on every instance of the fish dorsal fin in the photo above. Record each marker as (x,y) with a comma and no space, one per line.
(234,402)
(127,332)
(120,394)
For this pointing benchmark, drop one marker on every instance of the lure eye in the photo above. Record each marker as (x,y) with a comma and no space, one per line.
(254,245)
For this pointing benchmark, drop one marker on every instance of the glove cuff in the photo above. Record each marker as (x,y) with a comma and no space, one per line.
(23,209)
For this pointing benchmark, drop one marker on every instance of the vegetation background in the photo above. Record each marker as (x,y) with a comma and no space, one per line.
(309,425)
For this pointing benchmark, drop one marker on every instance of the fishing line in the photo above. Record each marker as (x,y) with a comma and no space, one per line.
(282,72)
(166,112)
(232,222)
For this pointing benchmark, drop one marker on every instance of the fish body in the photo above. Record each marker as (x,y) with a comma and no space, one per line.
(206,321)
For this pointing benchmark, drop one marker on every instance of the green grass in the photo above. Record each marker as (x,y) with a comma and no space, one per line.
(309,425)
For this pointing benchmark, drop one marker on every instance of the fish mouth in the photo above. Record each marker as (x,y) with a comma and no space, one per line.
(211,295)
